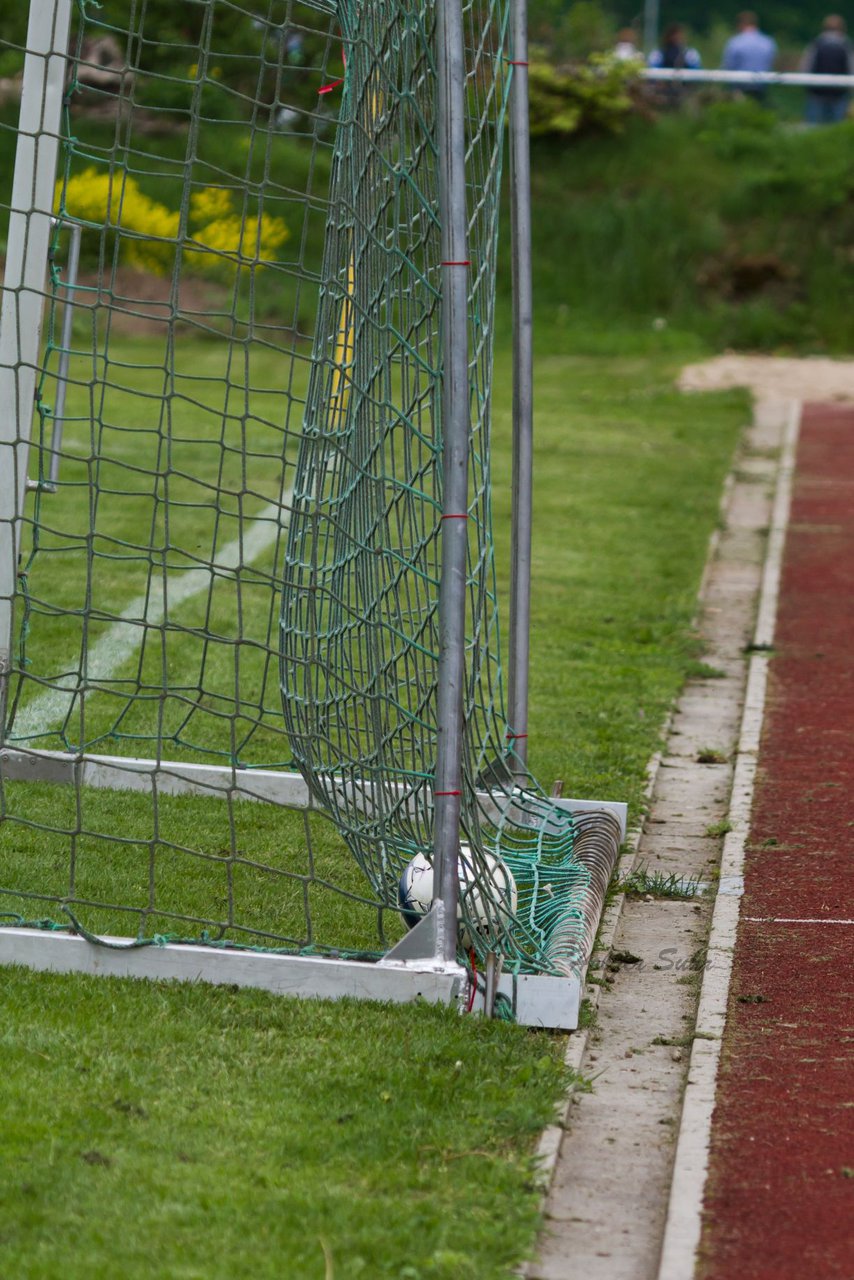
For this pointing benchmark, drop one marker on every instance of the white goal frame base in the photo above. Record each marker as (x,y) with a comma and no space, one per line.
(536,1000)
(408,972)
(310,976)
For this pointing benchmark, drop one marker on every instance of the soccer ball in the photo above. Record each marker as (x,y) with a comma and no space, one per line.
(487,906)
(415,890)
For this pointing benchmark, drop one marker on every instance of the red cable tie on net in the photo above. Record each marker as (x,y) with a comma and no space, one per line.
(447,793)
(516,736)
(466,263)
(512,62)
(327,88)
(461,516)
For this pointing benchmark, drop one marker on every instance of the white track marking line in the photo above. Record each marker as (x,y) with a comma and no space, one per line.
(792,920)
(50,708)
(691,1165)
(766,619)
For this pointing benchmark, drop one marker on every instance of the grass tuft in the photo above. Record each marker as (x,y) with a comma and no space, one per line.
(644,883)
(717,830)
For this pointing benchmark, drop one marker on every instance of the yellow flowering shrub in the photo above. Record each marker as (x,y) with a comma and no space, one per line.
(116,202)
(232,240)
(219,239)
(210,203)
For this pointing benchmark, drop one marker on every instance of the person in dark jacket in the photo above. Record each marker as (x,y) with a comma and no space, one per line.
(831,54)
(674,52)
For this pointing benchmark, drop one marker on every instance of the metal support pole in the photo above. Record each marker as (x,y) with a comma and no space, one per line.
(650,25)
(72,268)
(24,286)
(455,436)
(523,395)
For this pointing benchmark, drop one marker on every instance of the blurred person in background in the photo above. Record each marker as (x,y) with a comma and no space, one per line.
(830,54)
(750,50)
(626,49)
(675,54)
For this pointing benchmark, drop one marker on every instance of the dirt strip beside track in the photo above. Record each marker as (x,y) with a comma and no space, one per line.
(780,1195)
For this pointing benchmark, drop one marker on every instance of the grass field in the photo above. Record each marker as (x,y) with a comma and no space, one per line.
(200,1132)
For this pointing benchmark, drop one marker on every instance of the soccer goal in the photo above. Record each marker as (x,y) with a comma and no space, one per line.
(250,668)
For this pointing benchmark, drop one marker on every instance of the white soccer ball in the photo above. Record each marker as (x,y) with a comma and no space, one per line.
(486,905)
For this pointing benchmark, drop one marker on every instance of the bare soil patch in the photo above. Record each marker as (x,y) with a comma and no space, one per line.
(814,378)
(140,303)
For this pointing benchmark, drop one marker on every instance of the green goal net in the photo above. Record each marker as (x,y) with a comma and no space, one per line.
(223,634)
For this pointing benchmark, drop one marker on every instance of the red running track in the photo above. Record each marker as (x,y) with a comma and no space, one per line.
(780,1195)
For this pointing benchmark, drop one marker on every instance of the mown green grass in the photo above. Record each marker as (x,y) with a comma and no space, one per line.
(190,1132)
(160,472)
(626,491)
(202,1133)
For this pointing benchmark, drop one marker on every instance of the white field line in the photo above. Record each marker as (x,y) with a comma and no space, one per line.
(684,1217)
(108,655)
(766,620)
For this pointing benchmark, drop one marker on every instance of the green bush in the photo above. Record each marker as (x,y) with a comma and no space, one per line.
(729,227)
(589,96)
(738,129)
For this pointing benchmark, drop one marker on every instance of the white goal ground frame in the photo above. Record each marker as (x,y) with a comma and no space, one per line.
(410,970)
(423,964)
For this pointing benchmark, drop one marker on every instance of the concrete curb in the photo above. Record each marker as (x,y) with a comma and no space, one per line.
(548,1147)
(684,1218)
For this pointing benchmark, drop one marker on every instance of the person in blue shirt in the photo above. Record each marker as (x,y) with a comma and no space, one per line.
(750,50)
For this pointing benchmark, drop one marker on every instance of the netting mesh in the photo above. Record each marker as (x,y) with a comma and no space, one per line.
(237,498)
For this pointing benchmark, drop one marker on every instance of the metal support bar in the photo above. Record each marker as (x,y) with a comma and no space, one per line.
(523,403)
(23,294)
(650,25)
(268,786)
(536,1001)
(76,232)
(455,436)
(316,977)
